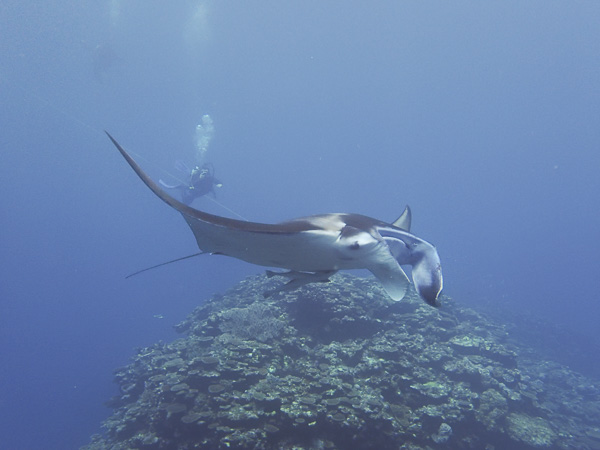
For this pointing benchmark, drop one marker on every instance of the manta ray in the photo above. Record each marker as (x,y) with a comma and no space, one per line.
(314,248)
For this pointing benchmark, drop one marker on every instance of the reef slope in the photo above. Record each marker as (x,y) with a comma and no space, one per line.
(339,366)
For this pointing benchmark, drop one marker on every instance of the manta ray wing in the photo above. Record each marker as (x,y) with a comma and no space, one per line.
(294,248)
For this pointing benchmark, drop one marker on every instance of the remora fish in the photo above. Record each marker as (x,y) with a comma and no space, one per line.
(315,247)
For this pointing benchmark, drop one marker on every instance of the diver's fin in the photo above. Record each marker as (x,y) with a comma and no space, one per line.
(170,186)
(404,221)
(165,263)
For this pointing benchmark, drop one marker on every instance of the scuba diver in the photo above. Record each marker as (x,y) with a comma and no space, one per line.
(201,181)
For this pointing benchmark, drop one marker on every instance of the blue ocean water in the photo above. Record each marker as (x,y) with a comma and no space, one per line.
(484,117)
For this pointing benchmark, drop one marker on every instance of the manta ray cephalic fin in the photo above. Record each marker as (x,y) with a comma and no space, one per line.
(390,275)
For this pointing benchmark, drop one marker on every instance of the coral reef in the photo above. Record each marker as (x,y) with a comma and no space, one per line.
(341,366)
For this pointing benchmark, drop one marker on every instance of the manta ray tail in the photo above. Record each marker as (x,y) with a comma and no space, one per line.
(164,264)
